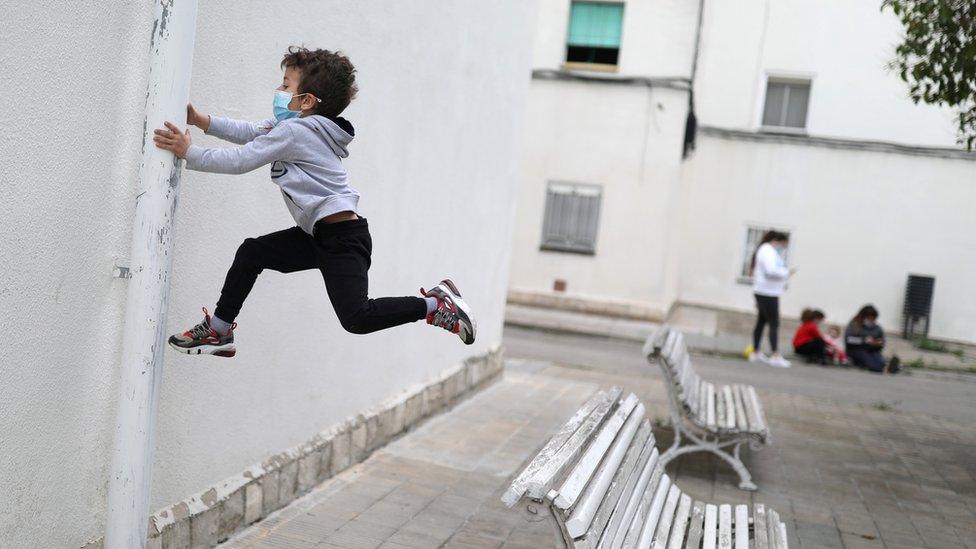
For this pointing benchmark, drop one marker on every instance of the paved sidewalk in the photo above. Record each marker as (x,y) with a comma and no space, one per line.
(840,474)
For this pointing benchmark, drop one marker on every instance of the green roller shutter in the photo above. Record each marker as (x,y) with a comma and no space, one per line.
(595,24)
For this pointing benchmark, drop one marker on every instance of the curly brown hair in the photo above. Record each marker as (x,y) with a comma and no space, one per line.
(328,75)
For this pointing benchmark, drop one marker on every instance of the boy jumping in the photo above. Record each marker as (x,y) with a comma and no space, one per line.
(305,143)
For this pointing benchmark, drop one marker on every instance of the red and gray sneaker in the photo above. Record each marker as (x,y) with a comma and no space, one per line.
(204,340)
(452,313)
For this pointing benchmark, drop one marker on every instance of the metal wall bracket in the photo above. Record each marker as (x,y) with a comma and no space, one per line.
(121,268)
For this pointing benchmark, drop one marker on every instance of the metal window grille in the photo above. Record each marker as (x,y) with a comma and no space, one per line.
(786,103)
(754,236)
(594,32)
(572,217)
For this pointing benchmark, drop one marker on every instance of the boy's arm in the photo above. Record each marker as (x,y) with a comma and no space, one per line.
(262,150)
(238,131)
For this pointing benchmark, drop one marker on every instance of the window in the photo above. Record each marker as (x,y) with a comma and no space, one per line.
(754,236)
(786,103)
(572,217)
(594,33)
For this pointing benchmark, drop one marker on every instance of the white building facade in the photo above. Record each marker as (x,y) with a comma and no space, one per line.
(439,86)
(800,127)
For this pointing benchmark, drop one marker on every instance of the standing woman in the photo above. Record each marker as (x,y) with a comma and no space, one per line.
(769,277)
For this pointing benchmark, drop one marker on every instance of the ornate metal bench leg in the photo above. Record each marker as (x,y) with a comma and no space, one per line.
(669,454)
(745,479)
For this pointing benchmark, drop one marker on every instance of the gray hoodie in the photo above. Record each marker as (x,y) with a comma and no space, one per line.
(305,156)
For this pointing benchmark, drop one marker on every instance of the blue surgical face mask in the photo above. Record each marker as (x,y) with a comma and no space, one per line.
(281,101)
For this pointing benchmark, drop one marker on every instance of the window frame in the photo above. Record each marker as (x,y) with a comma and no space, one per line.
(749,247)
(586,65)
(788,79)
(546,243)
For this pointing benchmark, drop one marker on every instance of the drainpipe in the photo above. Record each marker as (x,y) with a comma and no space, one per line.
(151,258)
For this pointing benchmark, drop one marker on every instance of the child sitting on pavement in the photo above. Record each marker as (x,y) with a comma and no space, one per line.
(865,340)
(305,143)
(833,338)
(808,342)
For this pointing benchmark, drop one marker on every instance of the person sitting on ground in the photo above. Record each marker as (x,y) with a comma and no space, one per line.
(808,342)
(832,338)
(865,340)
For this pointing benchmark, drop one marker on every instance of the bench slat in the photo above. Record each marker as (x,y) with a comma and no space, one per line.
(690,397)
(677,344)
(685,379)
(729,408)
(761,533)
(553,460)
(741,421)
(772,529)
(597,489)
(725,526)
(624,511)
(750,408)
(719,408)
(680,522)
(710,403)
(632,529)
(711,523)
(613,507)
(741,527)
(619,527)
(760,417)
(581,474)
(695,525)
(668,348)
(666,522)
(702,402)
(781,536)
(646,531)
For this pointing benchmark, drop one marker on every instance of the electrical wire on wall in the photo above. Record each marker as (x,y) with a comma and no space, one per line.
(691,123)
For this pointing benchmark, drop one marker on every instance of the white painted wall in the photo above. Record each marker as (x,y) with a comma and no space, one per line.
(625,139)
(438,126)
(674,231)
(843,46)
(860,223)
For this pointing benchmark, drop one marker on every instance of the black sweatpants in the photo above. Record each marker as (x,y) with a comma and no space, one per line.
(341,251)
(768,308)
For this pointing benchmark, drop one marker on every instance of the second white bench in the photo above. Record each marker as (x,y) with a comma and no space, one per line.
(705,416)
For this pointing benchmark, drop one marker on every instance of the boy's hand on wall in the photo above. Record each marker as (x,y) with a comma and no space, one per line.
(194,118)
(172,139)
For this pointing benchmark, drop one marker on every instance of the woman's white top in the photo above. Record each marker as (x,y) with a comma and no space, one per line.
(770,274)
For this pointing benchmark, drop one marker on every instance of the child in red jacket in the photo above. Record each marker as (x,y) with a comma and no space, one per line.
(808,341)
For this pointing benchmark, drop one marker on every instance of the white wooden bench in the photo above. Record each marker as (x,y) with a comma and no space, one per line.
(706,417)
(601,482)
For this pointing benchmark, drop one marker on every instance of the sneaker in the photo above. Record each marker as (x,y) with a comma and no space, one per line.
(778,361)
(758,356)
(204,340)
(452,313)
(748,351)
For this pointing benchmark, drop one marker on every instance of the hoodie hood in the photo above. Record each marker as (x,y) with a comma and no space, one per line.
(336,132)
